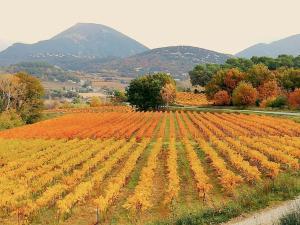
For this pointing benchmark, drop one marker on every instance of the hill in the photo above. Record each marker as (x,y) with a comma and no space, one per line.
(177,60)
(289,46)
(43,71)
(82,42)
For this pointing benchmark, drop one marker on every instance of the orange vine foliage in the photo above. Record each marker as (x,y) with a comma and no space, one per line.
(188,98)
(67,160)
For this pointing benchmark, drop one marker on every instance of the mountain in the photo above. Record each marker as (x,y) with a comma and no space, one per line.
(177,60)
(82,42)
(288,46)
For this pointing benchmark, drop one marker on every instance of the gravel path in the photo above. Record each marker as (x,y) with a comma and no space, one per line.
(267,216)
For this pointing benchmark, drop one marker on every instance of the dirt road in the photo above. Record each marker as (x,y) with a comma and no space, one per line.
(268,216)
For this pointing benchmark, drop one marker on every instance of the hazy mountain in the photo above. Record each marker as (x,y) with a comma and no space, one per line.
(83,41)
(177,60)
(289,46)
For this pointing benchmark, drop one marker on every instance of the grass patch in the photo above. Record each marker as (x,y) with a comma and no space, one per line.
(291,218)
(48,116)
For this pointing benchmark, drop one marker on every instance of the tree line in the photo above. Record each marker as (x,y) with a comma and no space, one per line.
(261,81)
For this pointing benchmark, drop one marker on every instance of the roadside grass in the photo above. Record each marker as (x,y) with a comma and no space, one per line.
(286,114)
(48,116)
(248,199)
(292,218)
(252,108)
(248,110)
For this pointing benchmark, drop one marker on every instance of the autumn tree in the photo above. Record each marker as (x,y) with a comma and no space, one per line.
(222,98)
(268,89)
(168,93)
(244,94)
(11,91)
(225,79)
(294,99)
(232,79)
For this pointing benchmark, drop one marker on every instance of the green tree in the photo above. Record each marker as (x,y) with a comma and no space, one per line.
(119,96)
(216,84)
(239,63)
(271,63)
(202,74)
(145,92)
(289,79)
(296,62)
(258,74)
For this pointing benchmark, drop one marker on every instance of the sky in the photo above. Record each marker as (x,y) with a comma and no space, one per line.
(227,26)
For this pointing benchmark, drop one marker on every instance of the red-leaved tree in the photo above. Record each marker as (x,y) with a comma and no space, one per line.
(222,98)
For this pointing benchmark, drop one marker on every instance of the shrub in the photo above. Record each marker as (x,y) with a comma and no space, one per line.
(222,98)
(95,101)
(10,119)
(294,99)
(52,104)
(119,96)
(278,102)
(66,105)
(244,95)
(265,103)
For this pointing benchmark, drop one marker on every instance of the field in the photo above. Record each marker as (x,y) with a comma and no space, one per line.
(140,167)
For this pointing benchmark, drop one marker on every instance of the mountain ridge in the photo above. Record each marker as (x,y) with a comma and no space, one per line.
(176,60)
(83,40)
(289,45)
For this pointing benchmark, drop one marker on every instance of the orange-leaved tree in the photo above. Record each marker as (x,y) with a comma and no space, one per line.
(268,89)
(244,94)
(168,93)
(222,98)
(232,78)
(294,98)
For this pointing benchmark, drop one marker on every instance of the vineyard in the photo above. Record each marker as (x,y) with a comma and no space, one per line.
(103,108)
(134,167)
(188,98)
